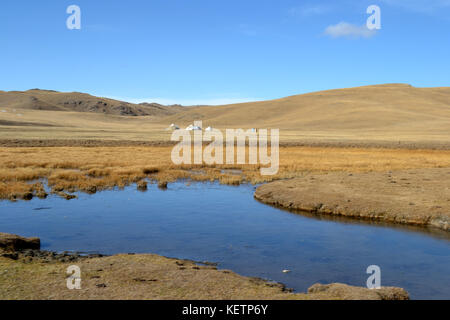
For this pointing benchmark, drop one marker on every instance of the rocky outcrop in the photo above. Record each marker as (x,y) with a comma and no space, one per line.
(11,242)
(50,100)
(415,197)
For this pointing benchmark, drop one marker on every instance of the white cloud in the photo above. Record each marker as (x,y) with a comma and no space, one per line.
(348,30)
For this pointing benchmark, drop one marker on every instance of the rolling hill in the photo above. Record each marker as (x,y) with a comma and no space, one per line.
(390,114)
(48,100)
(362,108)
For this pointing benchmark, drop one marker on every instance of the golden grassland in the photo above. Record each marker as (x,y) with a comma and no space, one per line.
(69,169)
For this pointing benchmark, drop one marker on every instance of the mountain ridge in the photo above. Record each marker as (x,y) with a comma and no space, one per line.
(50,100)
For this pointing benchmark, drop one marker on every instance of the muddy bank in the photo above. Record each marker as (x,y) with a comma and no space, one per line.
(29,273)
(415,197)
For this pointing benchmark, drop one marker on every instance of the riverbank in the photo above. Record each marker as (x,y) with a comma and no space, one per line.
(28,273)
(415,197)
(25,170)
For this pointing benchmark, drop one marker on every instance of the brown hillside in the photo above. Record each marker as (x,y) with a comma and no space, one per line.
(381,107)
(396,115)
(79,102)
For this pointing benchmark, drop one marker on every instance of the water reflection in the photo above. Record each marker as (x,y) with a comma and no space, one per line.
(224,224)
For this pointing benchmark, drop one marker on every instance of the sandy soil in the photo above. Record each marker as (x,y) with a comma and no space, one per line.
(416,197)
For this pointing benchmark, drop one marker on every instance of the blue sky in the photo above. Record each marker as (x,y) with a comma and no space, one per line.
(221,51)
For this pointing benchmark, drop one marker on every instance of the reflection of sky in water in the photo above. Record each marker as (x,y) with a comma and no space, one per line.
(208,222)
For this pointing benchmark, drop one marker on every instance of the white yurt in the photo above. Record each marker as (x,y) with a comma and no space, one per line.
(193,128)
(173,127)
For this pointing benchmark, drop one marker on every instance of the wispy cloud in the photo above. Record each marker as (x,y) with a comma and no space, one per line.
(348,30)
(309,10)
(423,6)
(247,30)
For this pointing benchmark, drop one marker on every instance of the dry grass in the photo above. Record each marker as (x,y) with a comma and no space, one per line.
(418,197)
(71,169)
(152,277)
(133,277)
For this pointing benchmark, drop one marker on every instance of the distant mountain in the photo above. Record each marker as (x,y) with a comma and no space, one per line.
(37,99)
(164,110)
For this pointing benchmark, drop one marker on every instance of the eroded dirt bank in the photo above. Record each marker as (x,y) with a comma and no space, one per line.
(415,197)
(28,273)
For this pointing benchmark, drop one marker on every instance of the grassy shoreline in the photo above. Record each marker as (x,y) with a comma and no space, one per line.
(96,168)
(93,169)
(418,197)
(31,274)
